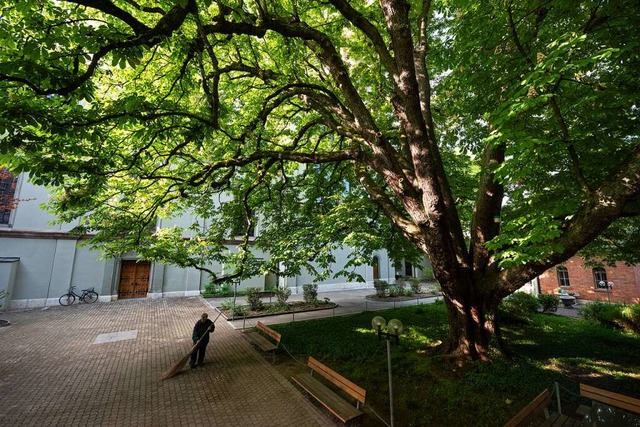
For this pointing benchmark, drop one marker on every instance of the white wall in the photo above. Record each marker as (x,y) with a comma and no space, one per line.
(342,282)
(28,216)
(50,262)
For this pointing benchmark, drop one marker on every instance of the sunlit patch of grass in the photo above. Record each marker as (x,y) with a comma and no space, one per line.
(366,331)
(525,342)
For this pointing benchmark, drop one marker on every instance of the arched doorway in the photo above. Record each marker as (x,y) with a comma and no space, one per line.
(376,267)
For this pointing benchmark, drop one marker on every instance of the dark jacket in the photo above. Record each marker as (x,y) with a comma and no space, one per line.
(200,329)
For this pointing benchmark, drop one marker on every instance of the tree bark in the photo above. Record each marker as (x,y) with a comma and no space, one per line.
(470,323)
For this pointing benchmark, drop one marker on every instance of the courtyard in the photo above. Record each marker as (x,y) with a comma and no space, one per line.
(101,364)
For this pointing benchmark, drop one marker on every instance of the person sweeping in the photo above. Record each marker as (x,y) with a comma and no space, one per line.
(201,331)
(200,336)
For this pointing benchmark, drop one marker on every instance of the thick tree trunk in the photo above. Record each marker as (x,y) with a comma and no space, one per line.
(471,320)
(468,330)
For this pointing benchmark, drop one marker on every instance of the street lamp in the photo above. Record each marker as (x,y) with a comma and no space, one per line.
(235,294)
(393,330)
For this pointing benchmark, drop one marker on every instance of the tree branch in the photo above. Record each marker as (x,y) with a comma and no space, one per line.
(573,154)
(109,8)
(147,37)
(370,31)
(487,206)
(603,206)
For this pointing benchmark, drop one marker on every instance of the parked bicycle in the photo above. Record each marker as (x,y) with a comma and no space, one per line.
(88,296)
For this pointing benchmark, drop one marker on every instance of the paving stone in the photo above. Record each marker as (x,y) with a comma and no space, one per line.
(52,373)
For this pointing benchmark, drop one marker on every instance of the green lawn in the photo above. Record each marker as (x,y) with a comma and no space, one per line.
(429,391)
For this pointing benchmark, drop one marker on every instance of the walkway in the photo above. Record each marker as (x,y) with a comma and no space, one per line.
(52,371)
(349,302)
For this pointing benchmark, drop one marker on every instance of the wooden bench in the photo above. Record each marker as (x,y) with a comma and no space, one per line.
(559,420)
(535,407)
(338,406)
(266,339)
(609,398)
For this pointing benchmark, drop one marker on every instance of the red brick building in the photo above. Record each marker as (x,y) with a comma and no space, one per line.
(591,283)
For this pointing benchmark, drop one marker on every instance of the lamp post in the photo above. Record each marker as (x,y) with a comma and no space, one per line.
(235,293)
(394,329)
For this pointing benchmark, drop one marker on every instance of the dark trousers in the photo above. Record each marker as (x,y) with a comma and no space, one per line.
(198,353)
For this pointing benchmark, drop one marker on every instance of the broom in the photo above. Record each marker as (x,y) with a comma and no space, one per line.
(177,368)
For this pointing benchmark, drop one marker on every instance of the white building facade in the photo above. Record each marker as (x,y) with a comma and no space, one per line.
(40,261)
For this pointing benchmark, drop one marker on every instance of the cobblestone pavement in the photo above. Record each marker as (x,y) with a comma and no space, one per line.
(53,374)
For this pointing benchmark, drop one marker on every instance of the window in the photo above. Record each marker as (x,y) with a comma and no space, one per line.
(242,225)
(408,269)
(7,191)
(600,277)
(251,232)
(563,276)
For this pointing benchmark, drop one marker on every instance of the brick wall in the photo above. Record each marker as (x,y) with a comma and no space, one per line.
(626,282)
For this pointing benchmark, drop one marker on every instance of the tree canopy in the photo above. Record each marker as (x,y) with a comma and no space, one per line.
(499,138)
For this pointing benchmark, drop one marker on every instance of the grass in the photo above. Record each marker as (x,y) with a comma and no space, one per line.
(430,391)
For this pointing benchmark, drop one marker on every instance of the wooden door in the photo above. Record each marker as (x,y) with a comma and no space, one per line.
(134,279)
(376,268)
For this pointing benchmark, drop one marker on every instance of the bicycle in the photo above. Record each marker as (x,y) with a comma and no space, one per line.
(88,295)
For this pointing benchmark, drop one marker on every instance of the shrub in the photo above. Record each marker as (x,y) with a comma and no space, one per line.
(415,284)
(282,294)
(237,310)
(381,287)
(427,274)
(433,288)
(222,290)
(408,292)
(618,316)
(548,303)
(209,288)
(278,307)
(253,299)
(310,293)
(394,291)
(631,317)
(520,304)
(401,284)
(600,312)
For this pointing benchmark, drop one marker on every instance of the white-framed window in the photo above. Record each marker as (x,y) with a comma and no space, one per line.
(7,192)
(599,277)
(563,276)
(242,225)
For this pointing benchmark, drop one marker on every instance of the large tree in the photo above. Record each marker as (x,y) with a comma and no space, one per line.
(499,138)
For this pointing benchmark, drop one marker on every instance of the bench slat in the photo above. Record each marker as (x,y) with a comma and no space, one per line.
(609,398)
(270,332)
(354,390)
(564,421)
(553,418)
(535,406)
(559,420)
(330,400)
(261,341)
